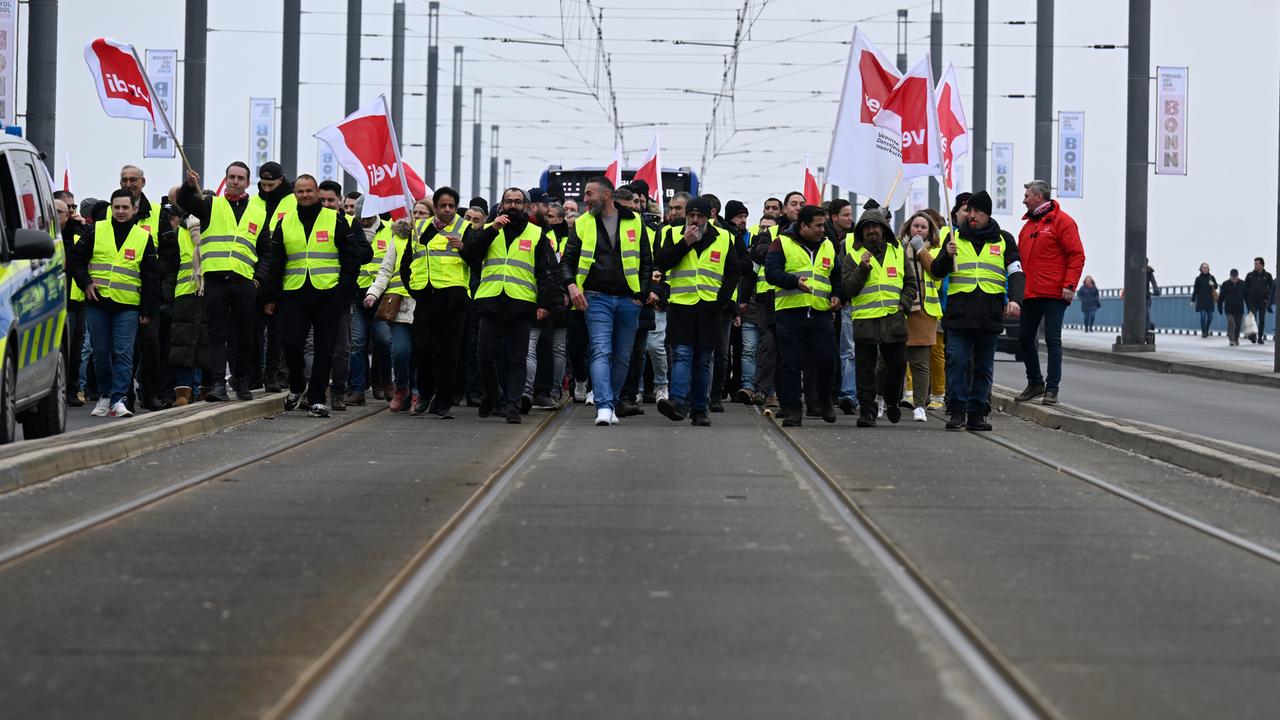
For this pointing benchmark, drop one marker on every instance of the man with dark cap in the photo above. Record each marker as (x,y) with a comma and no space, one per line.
(275,199)
(979,264)
(768,368)
(702,270)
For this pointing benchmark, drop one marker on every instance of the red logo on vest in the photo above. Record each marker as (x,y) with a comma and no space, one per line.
(995,249)
(322,236)
(826,263)
(631,236)
(382,244)
(129,254)
(147,228)
(279,216)
(525,245)
(891,271)
(253,228)
(715,256)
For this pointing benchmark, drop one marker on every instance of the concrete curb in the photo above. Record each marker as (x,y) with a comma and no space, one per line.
(1146,362)
(1255,472)
(103,445)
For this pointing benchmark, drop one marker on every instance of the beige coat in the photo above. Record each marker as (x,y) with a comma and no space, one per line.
(388,269)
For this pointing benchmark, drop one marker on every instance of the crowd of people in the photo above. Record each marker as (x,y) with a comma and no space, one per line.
(1254,295)
(611,299)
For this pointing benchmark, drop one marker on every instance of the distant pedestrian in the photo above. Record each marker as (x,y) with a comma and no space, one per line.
(1259,294)
(1052,258)
(1090,301)
(1231,303)
(1204,295)
(1153,290)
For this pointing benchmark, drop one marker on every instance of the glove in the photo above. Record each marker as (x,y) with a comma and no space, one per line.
(917,244)
(402,228)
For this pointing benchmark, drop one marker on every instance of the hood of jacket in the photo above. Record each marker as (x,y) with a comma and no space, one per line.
(872,216)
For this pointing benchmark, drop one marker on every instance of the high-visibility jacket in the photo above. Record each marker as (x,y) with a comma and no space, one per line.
(311,257)
(881,294)
(287,206)
(77,295)
(630,231)
(395,285)
(382,241)
(984,271)
(151,225)
(815,268)
(186,284)
(509,268)
(698,277)
(228,244)
(762,285)
(117,272)
(435,263)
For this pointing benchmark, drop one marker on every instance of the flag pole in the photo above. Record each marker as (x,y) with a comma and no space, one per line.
(892,188)
(168,128)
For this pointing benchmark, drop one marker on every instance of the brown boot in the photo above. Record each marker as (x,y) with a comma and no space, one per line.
(353,398)
(181,395)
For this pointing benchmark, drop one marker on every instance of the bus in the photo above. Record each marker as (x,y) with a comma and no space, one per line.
(568,183)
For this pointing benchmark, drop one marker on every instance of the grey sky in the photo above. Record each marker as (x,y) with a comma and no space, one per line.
(786,92)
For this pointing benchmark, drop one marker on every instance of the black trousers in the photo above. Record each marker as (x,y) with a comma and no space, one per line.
(724,352)
(439,327)
(895,368)
(801,335)
(75,347)
(314,312)
(576,345)
(230,308)
(146,359)
(635,371)
(495,331)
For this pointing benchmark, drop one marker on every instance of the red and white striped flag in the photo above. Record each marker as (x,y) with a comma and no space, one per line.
(650,170)
(951,123)
(911,112)
(66,173)
(812,195)
(614,170)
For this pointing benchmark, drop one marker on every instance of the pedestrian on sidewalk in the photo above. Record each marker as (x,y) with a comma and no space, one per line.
(1259,293)
(1090,300)
(1231,304)
(1204,295)
(1153,290)
(1052,258)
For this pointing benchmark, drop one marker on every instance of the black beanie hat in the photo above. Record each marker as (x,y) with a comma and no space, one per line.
(734,208)
(961,200)
(980,201)
(699,205)
(479,202)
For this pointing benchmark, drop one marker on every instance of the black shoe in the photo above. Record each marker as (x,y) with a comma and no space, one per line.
(848,405)
(828,413)
(152,404)
(243,392)
(795,419)
(512,415)
(626,408)
(1030,393)
(866,421)
(955,421)
(670,410)
(715,406)
(544,402)
(486,406)
(442,414)
(759,399)
(1050,398)
(318,410)
(977,423)
(336,402)
(218,393)
(292,401)
(526,404)
(893,412)
(812,411)
(700,419)
(271,388)
(649,399)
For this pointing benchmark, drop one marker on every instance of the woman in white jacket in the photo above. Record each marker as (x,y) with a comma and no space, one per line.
(388,282)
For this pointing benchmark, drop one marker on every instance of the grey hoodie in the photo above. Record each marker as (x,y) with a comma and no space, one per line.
(890,328)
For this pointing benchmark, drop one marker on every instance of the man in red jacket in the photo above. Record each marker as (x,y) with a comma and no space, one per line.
(1052,260)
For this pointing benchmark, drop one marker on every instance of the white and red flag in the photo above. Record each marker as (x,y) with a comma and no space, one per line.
(365,145)
(864,158)
(911,112)
(614,170)
(812,195)
(650,170)
(66,173)
(951,123)
(122,83)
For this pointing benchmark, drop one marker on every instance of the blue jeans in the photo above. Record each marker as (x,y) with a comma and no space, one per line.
(363,323)
(1034,311)
(691,376)
(114,331)
(1206,319)
(971,363)
(86,357)
(656,347)
(558,359)
(750,341)
(1260,314)
(848,368)
(1089,315)
(611,332)
(401,354)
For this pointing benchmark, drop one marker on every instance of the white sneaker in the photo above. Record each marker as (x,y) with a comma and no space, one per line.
(613,418)
(579,390)
(662,393)
(936,402)
(880,405)
(604,417)
(102,408)
(591,397)
(120,410)
(919,415)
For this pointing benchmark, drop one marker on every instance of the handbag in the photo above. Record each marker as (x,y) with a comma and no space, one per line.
(388,307)
(1249,327)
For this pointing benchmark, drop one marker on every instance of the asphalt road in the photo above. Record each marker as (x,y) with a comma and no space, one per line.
(1245,414)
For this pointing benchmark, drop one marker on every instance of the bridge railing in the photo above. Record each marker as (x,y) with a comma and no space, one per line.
(1172,312)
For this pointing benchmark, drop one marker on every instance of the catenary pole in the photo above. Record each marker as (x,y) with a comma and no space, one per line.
(455,156)
(433,76)
(397,65)
(42,76)
(1133,333)
(935,56)
(1044,91)
(475,141)
(353,70)
(291,47)
(195,44)
(978,148)
(493,164)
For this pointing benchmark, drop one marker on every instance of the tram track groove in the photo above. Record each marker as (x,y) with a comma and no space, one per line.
(69,531)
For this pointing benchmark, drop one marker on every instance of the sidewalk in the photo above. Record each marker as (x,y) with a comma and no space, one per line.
(1209,357)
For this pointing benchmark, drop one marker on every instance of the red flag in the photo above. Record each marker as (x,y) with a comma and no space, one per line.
(614,169)
(417,190)
(66,173)
(221,186)
(951,123)
(365,146)
(911,111)
(121,81)
(812,195)
(864,158)
(650,170)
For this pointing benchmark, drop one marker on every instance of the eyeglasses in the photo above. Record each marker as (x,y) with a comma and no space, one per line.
(513,203)
(126,179)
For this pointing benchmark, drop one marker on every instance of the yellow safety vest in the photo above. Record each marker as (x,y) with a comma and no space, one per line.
(437,265)
(699,277)
(117,272)
(984,271)
(287,206)
(313,257)
(762,285)
(816,269)
(508,268)
(77,295)
(186,265)
(382,241)
(931,304)
(883,290)
(151,225)
(630,231)
(395,285)
(228,245)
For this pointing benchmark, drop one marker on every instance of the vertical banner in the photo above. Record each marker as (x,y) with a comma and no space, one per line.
(1171,120)
(262,133)
(162,68)
(1002,176)
(8,60)
(917,198)
(327,164)
(1070,155)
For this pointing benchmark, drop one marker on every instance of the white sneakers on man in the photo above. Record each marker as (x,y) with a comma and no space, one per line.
(102,408)
(661,392)
(604,417)
(120,410)
(613,418)
(919,415)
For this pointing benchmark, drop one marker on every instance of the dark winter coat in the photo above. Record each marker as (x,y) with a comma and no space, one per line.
(1202,292)
(699,324)
(1231,297)
(189,334)
(890,328)
(1089,297)
(979,311)
(1259,289)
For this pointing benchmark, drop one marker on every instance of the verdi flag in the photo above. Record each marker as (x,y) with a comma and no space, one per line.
(864,158)
(951,124)
(911,112)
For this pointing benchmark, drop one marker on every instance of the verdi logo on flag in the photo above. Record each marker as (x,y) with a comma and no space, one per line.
(1002,177)
(864,158)
(1171,120)
(1070,154)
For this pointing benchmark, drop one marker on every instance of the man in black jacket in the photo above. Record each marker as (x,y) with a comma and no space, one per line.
(1259,294)
(986,285)
(275,191)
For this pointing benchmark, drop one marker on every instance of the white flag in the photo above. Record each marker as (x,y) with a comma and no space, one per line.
(864,158)
(911,112)
(951,124)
